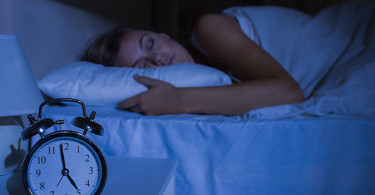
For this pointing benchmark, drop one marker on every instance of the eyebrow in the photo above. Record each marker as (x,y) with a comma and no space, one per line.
(141,46)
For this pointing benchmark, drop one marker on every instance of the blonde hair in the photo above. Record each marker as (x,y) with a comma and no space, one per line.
(103,48)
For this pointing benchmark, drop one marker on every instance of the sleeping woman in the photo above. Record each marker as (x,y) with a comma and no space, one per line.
(221,43)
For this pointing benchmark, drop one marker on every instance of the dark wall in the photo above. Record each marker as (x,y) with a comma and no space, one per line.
(177,17)
(132,12)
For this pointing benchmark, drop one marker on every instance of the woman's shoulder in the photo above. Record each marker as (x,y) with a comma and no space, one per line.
(209,24)
(211,28)
(214,32)
(211,17)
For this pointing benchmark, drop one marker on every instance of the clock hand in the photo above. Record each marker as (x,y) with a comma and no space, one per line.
(72,182)
(62,155)
(65,171)
(60,181)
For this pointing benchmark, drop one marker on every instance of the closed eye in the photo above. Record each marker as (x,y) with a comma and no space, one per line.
(147,42)
(150,44)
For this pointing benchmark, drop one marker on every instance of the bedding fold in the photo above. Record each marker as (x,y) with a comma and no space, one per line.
(345,50)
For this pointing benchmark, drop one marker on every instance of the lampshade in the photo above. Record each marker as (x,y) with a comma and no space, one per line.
(19,93)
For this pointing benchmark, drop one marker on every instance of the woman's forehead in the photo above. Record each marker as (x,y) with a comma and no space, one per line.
(130,47)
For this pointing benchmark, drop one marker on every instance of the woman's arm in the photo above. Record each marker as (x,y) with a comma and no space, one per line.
(265,82)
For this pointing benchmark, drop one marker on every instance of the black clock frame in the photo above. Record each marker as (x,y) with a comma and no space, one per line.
(64,133)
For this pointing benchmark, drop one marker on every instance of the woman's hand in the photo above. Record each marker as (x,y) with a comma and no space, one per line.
(160,98)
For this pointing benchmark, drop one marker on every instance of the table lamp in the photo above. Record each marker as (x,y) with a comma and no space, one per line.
(20,95)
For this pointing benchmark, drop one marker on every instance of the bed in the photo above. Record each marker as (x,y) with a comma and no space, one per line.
(324,145)
(232,155)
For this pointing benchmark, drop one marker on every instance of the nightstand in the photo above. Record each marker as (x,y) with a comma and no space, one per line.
(140,176)
(125,176)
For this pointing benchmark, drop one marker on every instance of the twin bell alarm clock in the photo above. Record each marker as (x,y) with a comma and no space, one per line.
(64,161)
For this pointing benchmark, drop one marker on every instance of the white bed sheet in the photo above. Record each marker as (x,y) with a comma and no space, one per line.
(233,155)
(338,43)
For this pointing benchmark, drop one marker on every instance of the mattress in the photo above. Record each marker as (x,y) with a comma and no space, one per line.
(331,154)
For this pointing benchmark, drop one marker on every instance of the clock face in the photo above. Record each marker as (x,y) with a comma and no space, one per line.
(66,163)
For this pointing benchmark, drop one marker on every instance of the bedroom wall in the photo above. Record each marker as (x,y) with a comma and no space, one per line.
(6,19)
(52,33)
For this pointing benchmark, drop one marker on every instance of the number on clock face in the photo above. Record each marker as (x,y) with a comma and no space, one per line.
(64,165)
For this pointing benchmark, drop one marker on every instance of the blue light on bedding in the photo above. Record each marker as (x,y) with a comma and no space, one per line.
(324,145)
(231,155)
(331,55)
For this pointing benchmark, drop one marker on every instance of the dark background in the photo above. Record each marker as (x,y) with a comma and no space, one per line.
(177,17)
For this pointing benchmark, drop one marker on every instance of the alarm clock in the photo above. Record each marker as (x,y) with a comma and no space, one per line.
(64,161)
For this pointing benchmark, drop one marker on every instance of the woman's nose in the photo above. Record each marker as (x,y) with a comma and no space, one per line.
(160,59)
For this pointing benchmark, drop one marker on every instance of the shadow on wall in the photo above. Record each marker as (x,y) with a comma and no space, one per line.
(15,158)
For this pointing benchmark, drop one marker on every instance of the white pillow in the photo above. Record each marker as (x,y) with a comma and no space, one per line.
(97,85)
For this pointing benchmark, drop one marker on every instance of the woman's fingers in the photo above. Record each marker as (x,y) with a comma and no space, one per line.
(147,81)
(152,101)
(131,105)
(128,103)
(136,109)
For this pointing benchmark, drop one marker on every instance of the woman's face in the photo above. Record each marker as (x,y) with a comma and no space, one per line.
(147,49)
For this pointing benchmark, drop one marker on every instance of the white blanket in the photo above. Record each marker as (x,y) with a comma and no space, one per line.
(339,42)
